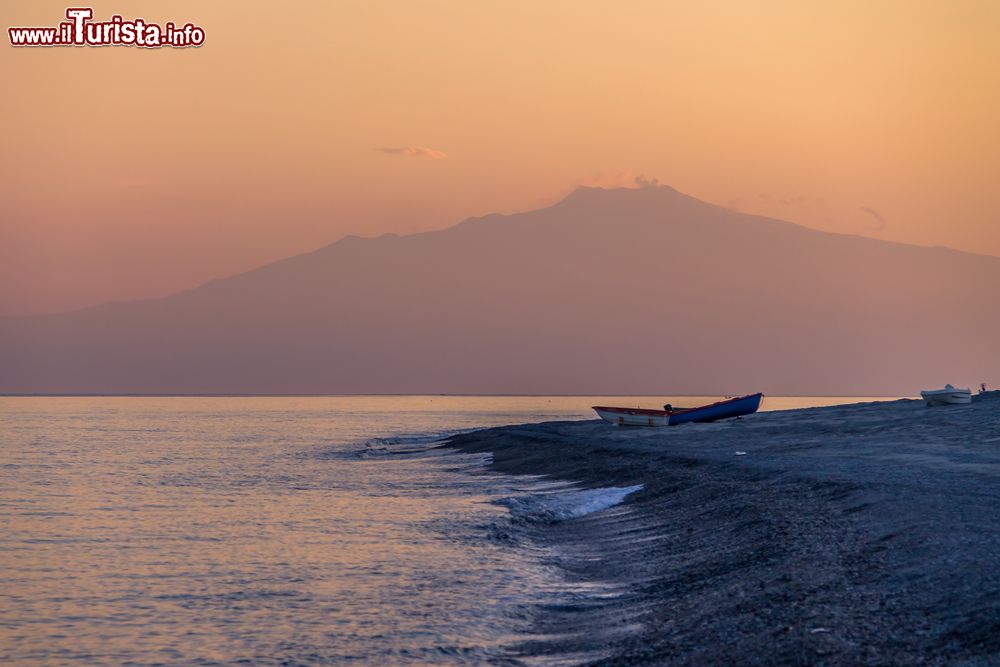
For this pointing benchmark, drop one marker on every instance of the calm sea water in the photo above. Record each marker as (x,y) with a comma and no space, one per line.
(278,530)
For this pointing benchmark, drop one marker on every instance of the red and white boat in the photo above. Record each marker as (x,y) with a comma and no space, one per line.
(633,416)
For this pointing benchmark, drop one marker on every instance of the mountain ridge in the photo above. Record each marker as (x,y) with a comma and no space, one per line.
(606,291)
(478,219)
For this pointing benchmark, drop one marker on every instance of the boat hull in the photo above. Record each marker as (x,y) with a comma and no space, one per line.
(733,407)
(632,416)
(947,397)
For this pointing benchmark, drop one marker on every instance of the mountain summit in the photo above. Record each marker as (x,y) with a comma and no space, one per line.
(629,291)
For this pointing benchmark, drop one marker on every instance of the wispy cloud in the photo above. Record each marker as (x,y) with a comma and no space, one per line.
(880,221)
(415,151)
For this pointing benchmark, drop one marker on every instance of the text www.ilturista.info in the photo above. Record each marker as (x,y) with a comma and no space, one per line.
(79,30)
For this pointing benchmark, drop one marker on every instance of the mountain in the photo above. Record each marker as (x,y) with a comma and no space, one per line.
(636,291)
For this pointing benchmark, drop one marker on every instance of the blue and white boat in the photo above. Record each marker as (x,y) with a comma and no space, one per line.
(671,416)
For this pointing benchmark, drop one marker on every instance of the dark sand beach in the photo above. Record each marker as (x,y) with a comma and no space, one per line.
(865,533)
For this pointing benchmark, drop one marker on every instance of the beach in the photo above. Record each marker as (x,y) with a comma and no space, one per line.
(836,535)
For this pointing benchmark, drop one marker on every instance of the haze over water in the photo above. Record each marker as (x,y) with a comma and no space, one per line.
(309,530)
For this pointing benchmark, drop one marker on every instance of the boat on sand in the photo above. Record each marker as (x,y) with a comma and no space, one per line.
(670,416)
(947,396)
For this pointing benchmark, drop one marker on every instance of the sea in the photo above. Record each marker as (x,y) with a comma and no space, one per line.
(284,530)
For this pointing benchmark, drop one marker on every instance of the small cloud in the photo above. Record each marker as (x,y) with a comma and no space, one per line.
(415,151)
(879,219)
(643,182)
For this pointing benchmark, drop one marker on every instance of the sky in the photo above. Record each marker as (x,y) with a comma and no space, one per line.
(131,173)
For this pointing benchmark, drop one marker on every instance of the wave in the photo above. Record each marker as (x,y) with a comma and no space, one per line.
(411,443)
(405,444)
(553,506)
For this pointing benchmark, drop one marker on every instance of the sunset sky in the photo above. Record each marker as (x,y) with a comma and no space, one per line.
(129,173)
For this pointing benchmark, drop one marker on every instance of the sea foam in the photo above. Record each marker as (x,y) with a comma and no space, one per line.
(555,506)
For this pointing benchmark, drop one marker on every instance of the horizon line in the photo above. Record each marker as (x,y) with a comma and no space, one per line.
(398,395)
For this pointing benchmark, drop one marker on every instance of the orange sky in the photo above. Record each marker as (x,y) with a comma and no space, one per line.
(130,173)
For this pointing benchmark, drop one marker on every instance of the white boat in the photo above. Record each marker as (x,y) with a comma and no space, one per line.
(947,396)
(633,416)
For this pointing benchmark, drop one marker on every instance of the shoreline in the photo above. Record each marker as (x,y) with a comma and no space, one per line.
(863,532)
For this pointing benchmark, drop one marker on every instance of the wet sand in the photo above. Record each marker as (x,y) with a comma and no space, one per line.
(858,533)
